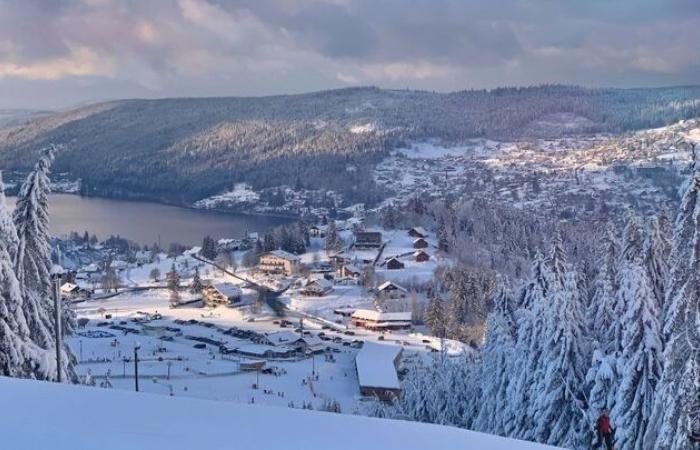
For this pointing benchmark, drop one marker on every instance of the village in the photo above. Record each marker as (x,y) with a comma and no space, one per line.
(320,330)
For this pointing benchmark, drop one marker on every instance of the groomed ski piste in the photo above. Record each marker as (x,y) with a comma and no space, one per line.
(86,418)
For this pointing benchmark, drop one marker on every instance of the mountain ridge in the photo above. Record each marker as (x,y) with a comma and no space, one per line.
(179,150)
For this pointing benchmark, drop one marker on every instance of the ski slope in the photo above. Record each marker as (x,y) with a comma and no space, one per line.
(39,415)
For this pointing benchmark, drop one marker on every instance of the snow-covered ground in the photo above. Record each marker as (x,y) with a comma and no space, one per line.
(77,418)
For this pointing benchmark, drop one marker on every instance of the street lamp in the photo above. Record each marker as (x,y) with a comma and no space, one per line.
(137,346)
(56,276)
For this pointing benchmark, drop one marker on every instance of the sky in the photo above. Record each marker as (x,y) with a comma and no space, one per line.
(56,54)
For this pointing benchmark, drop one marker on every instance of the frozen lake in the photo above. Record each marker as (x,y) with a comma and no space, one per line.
(146,222)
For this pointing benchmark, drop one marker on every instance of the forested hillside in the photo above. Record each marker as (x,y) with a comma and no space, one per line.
(182,150)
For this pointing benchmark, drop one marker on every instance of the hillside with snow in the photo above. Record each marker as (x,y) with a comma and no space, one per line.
(107,419)
(184,150)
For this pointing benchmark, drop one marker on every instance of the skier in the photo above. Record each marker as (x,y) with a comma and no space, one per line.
(606,433)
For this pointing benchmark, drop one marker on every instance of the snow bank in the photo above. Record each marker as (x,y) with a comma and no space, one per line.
(38,415)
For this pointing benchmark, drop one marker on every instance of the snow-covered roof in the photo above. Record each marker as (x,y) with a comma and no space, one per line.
(69,287)
(420,252)
(256,349)
(388,284)
(283,337)
(376,316)
(321,282)
(282,254)
(420,230)
(375,365)
(28,420)
(227,289)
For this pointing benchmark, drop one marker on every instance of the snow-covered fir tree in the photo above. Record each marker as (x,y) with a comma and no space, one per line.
(558,402)
(632,238)
(601,310)
(444,391)
(32,263)
(529,320)
(672,422)
(640,360)
(496,361)
(655,262)
(33,257)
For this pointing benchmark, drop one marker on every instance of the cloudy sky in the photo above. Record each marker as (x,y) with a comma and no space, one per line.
(58,53)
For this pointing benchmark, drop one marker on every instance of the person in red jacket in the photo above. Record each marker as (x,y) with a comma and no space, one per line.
(606,433)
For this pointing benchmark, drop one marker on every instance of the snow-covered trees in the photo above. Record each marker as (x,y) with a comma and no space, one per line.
(443,391)
(333,241)
(33,257)
(558,399)
(497,358)
(27,346)
(173,283)
(676,406)
(196,286)
(640,360)
(208,249)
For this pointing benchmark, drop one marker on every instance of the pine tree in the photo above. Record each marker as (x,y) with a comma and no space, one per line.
(173,283)
(601,310)
(435,317)
(602,380)
(497,357)
(632,239)
(33,256)
(529,320)
(333,242)
(655,263)
(196,286)
(208,250)
(640,360)
(558,401)
(677,393)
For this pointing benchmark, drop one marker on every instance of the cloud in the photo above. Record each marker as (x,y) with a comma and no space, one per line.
(251,47)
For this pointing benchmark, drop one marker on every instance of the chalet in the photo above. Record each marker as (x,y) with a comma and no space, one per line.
(70,290)
(376,366)
(381,321)
(391,290)
(368,239)
(417,232)
(221,294)
(279,262)
(394,264)
(420,243)
(316,287)
(349,271)
(421,256)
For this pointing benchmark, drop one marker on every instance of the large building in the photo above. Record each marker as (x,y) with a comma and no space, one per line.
(376,366)
(221,294)
(279,262)
(368,239)
(381,321)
